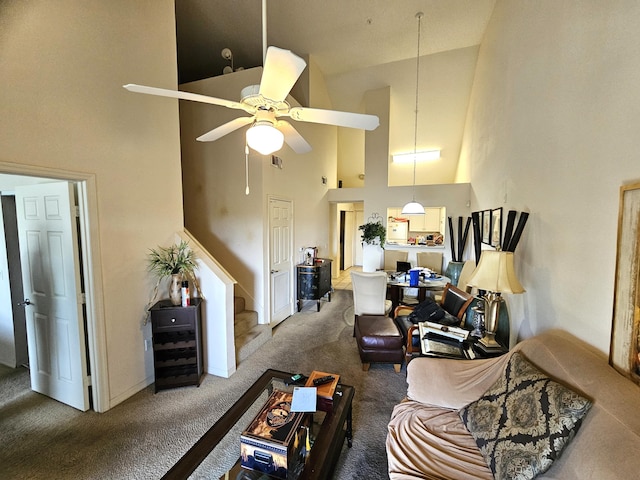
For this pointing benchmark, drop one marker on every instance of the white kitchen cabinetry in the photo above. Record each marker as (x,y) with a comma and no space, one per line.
(394,212)
(432,221)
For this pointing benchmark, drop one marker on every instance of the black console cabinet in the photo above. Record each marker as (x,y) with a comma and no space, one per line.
(314,281)
(177,344)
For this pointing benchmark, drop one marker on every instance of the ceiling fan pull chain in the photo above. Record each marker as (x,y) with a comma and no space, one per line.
(246,168)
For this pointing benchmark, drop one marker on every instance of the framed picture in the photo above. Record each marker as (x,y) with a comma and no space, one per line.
(496,227)
(486,227)
(625,343)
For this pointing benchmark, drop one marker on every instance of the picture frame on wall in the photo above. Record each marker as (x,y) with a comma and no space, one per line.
(486,227)
(624,354)
(496,227)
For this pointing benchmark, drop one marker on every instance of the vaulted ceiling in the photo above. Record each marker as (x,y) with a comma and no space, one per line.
(340,35)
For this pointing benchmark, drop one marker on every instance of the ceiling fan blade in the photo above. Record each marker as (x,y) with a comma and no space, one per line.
(281,71)
(333,117)
(222,130)
(194,97)
(291,136)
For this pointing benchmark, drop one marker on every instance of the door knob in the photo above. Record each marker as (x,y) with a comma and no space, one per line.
(26,302)
(275,271)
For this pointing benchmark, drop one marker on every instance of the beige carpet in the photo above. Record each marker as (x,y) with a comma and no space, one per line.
(144,436)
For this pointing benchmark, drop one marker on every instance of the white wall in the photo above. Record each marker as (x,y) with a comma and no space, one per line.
(63,108)
(227,222)
(445,87)
(552,130)
(231,224)
(375,194)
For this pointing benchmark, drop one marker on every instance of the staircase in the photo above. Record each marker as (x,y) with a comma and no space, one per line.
(249,335)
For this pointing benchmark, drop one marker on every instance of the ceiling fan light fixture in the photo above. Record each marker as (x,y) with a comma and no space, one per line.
(264,138)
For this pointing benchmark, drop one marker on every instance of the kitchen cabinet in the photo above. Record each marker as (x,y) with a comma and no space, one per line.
(395,212)
(177,344)
(432,221)
(314,281)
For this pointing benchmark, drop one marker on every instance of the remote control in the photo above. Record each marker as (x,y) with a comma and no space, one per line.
(323,380)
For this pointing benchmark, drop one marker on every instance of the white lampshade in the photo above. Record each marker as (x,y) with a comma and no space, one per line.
(265,138)
(496,273)
(413,208)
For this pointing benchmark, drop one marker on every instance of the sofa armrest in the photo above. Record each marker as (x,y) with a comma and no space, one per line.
(451,383)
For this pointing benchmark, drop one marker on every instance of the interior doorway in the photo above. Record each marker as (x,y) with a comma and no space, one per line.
(349,218)
(343,215)
(13,327)
(95,350)
(280,229)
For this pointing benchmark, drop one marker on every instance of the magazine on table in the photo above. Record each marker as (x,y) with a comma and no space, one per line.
(440,347)
(452,333)
(448,343)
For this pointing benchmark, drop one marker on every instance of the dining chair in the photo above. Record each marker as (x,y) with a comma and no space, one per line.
(392,257)
(430,260)
(369,294)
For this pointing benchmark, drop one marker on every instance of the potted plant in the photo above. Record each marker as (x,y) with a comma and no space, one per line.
(175,261)
(373,237)
(373,233)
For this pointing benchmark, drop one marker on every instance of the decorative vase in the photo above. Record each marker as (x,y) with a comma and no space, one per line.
(453,272)
(175,289)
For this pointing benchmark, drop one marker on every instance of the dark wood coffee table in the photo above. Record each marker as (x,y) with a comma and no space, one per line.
(328,434)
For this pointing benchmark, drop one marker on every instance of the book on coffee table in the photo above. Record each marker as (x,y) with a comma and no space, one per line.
(325,391)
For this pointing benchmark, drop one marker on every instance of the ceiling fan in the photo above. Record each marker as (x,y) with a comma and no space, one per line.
(266,103)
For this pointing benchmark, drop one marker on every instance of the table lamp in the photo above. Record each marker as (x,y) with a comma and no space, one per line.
(494,274)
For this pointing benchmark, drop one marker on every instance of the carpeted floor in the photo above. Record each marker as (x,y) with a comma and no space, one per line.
(144,436)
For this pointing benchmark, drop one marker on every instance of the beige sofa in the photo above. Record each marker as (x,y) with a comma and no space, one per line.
(428,440)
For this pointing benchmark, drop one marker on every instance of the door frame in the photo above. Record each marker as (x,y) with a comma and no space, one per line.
(267,268)
(91,267)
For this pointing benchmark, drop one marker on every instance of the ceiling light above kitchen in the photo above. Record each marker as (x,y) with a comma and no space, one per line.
(424,156)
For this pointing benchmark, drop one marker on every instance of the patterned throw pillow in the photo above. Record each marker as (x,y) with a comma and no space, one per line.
(524,421)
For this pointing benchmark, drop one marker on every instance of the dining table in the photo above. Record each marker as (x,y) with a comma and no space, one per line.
(398,282)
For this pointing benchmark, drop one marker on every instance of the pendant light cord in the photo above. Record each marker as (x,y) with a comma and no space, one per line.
(419,16)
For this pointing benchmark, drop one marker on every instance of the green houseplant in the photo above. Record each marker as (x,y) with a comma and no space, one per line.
(373,233)
(176,261)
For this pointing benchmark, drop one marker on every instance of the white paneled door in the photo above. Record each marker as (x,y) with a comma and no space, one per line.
(53,297)
(280,259)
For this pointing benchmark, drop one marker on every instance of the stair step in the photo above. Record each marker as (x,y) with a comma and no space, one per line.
(238,304)
(249,335)
(249,341)
(245,320)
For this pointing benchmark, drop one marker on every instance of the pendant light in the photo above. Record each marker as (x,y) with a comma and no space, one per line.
(413,207)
